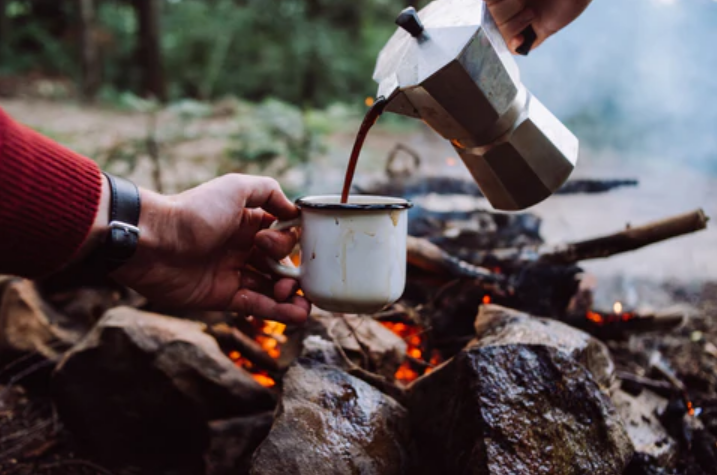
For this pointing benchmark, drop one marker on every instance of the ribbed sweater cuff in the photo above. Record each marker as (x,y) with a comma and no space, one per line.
(49,197)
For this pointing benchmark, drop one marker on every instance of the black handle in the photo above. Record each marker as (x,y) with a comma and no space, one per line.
(409,21)
(529,38)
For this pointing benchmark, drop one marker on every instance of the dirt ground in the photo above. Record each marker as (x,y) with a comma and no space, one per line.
(666,187)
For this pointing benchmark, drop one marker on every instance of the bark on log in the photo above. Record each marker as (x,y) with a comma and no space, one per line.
(627,240)
(429,257)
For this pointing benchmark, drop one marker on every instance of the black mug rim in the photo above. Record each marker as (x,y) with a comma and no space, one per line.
(302,203)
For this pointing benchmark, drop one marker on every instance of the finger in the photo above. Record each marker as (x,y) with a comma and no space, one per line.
(504,10)
(266,194)
(258,260)
(251,303)
(275,244)
(257,282)
(284,289)
(301,302)
(512,29)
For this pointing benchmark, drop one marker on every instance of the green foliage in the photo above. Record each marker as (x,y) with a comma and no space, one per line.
(307,52)
(29,38)
(276,130)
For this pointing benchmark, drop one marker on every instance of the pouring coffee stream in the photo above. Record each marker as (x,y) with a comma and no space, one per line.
(368,121)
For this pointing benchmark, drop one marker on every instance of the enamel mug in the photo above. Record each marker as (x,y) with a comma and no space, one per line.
(353,255)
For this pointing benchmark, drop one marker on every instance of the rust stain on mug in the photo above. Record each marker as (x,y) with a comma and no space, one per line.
(394,217)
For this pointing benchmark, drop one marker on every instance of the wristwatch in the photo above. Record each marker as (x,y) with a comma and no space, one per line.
(122,237)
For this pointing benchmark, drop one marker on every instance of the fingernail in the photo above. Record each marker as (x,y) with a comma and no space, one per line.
(515,43)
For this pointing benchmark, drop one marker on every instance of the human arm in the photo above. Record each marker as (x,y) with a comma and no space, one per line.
(196,249)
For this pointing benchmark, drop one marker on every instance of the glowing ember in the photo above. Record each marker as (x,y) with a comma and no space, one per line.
(595,317)
(690,408)
(412,335)
(618,315)
(405,374)
(269,335)
(369,101)
(486,299)
(264,380)
(295,258)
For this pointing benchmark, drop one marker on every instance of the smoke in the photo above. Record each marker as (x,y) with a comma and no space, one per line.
(635,76)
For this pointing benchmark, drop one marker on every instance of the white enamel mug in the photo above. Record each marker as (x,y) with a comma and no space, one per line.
(353,255)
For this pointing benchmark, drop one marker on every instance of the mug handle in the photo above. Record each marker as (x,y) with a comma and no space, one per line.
(281,269)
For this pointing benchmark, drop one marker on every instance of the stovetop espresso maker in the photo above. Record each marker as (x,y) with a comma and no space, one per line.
(449,66)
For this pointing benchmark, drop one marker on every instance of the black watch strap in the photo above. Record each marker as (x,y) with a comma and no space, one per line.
(122,238)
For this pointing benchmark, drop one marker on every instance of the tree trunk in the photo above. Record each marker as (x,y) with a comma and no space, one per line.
(4,27)
(89,51)
(149,52)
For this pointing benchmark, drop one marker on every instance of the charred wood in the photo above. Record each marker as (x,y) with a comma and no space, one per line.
(414,186)
(427,256)
(628,240)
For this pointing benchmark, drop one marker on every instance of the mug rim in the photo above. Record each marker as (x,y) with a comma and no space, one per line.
(392,203)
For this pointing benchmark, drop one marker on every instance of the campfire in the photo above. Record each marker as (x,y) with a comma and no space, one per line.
(494,356)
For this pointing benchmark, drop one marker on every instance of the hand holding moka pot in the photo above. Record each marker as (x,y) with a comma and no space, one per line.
(449,66)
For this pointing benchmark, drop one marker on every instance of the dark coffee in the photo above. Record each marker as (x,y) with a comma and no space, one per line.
(371,117)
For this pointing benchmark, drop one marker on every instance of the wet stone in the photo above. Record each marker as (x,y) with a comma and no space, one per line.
(233,442)
(496,325)
(141,388)
(329,422)
(515,409)
(653,445)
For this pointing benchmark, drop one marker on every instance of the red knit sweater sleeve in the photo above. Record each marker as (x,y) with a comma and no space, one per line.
(48,200)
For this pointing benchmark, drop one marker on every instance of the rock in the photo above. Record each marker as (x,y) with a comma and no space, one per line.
(141,388)
(329,422)
(496,325)
(361,335)
(514,409)
(322,351)
(233,442)
(28,325)
(652,443)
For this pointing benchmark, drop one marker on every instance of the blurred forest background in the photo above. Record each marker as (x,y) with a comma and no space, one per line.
(306,52)
(175,92)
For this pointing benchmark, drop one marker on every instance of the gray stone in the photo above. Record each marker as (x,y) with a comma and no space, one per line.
(316,348)
(329,422)
(233,442)
(362,337)
(514,409)
(496,325)
(639,415)
(140,388)
(28,324)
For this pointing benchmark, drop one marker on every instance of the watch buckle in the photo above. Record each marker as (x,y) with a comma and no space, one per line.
(127,228)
